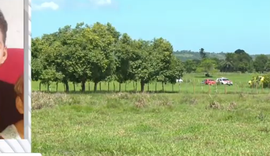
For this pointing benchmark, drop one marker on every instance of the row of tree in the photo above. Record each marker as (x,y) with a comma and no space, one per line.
(100,53)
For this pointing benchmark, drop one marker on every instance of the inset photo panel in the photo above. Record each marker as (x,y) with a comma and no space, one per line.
(14,89)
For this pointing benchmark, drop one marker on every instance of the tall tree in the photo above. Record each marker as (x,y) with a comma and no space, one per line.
(144,64)
(102,61)
(267,65)
(260,63)
(243,61)
(123,53)
(163,53)
(190,66)
(202,53)
(208,66)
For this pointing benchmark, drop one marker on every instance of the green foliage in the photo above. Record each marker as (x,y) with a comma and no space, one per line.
(202,53)
(239,61)
(100,53)
(190,66)
(266,82)
(260,63)
(208,65)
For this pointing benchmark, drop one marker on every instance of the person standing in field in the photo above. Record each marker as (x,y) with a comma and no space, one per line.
(8,111)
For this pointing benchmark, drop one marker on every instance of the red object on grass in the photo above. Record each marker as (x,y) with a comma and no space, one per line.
(13,67)
(210,82)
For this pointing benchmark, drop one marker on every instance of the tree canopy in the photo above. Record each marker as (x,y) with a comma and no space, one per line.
(100,53)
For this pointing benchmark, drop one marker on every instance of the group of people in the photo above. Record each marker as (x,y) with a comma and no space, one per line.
(11,95)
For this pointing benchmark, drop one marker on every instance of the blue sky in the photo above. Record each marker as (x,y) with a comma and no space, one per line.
(215,25)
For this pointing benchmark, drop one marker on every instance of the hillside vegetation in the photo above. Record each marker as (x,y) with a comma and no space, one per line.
(185,55)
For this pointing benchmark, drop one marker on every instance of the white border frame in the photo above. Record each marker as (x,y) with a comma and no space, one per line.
(23,146)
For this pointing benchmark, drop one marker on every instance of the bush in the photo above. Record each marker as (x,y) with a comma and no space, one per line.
(266,82)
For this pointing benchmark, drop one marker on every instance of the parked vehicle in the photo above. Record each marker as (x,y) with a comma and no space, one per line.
(179,80)
(209,82)
(224,81)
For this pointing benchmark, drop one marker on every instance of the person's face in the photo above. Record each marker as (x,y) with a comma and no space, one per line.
(3,50)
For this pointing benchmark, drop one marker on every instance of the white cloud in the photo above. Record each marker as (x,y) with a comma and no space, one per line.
(45,5)
(101,2)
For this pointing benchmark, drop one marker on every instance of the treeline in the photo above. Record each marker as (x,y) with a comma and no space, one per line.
(185,55)
(100,53)
(238,61)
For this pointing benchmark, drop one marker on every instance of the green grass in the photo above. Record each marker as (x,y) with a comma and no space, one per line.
(150,124)
(183,123)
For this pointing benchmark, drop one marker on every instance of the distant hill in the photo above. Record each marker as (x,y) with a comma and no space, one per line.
(190,55)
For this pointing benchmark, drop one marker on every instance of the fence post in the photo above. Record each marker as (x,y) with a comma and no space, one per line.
(193,87)
(256,88)
(262,88)
(136,86)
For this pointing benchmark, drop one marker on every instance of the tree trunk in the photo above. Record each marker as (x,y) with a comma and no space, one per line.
(39,86)
(48,87)
(66,86)
(100,86)
(83,86)
(95,86)
(56,86)
(120,86)
(163,87)
(74,87)
(142,86)
(89,89)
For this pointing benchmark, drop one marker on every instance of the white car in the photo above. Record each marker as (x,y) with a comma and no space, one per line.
(224,81)
(179,80)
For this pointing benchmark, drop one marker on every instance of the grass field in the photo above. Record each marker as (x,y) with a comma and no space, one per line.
(151,124)
(192,84)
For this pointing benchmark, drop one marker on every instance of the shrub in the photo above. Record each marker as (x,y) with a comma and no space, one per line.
(266,82)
